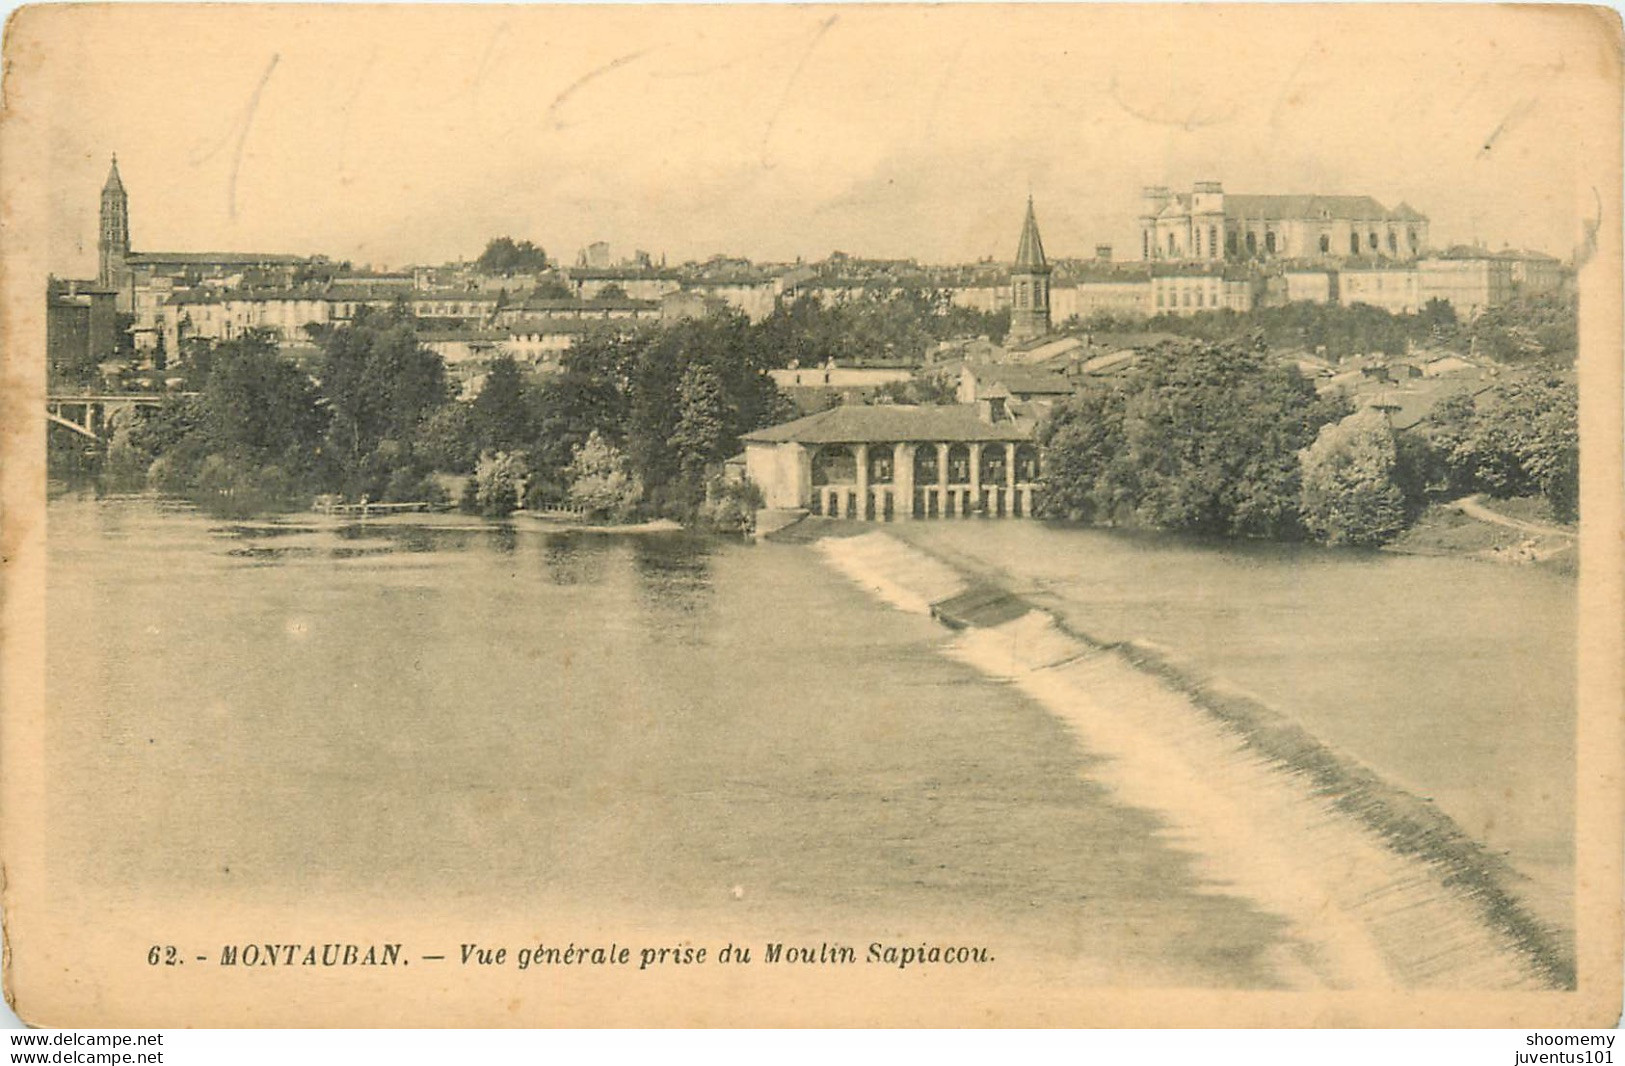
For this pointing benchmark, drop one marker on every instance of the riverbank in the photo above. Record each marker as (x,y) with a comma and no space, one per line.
(1380,885)
(1498,531)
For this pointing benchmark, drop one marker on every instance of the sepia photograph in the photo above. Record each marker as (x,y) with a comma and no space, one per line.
(811,515)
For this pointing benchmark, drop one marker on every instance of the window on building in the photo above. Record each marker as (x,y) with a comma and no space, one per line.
(1412,235)
(1196,242)
(1354,244)
(1213,242)
(1170,245)
(1393,243)
(1325,243)
(1269,243)
(1371,240)
(1252,244)
(1145,244)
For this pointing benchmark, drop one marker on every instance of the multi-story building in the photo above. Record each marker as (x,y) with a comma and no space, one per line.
(1469,280)
(639,283)
(1209,224)
(80,327)
(1397,290)
(1189,292)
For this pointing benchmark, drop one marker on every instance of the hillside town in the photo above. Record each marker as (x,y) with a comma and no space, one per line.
(879,389)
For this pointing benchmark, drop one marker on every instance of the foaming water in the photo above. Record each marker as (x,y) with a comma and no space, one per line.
(907,579)
(1378,890)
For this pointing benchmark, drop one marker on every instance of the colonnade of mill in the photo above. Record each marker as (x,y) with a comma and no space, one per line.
(1007,491)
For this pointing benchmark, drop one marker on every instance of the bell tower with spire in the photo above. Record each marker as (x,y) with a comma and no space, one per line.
(1029,285)
(113,241)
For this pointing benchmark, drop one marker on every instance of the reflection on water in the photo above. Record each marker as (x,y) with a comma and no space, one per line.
(575,558)
(677,725)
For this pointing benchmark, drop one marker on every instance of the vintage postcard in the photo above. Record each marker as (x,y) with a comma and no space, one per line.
(1043,515)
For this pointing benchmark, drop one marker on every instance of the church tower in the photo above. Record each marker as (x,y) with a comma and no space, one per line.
(113,243)
(1029,285)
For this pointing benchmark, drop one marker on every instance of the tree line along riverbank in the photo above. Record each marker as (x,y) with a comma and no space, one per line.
(1218,437)
(1221,439)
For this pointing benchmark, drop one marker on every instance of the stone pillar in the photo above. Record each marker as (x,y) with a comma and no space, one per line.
(942,481)
(802,460)
(862,451)
(902,478)
(1010,480)
(975,475)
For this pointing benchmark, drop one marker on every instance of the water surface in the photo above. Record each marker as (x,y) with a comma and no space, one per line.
(657,724)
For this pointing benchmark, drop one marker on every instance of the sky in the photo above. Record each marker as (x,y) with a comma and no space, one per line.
(414,134)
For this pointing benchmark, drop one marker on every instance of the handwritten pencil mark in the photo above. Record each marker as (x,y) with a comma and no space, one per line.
(592,75)
(790,82)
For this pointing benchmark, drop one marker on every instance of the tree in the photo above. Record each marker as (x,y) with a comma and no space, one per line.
(448,440)
(1212,436)
(551,288)
(702,425)
(380,385)
(1203,439)
(504,255)
(499,479)
(1083,443)
(1350,495)
(258,407)
(601,482)
(1519,438)
(503,418)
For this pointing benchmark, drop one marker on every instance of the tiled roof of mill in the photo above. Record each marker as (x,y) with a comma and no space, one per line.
(852,424)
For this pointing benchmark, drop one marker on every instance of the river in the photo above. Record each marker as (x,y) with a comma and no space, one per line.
(728,734)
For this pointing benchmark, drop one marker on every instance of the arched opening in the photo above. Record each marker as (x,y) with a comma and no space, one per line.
(1252,244)
(1354,244)
(1325,244)
(1393,243)
(1170,246)
(959,465)
(993,464)
(834,464)
(1269,243)
(1371,240)
(925,464)
(927,500)
(1230,243)
(881,462)
(1026,463)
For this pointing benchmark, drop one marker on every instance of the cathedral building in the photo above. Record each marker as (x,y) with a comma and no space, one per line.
(1207,224)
